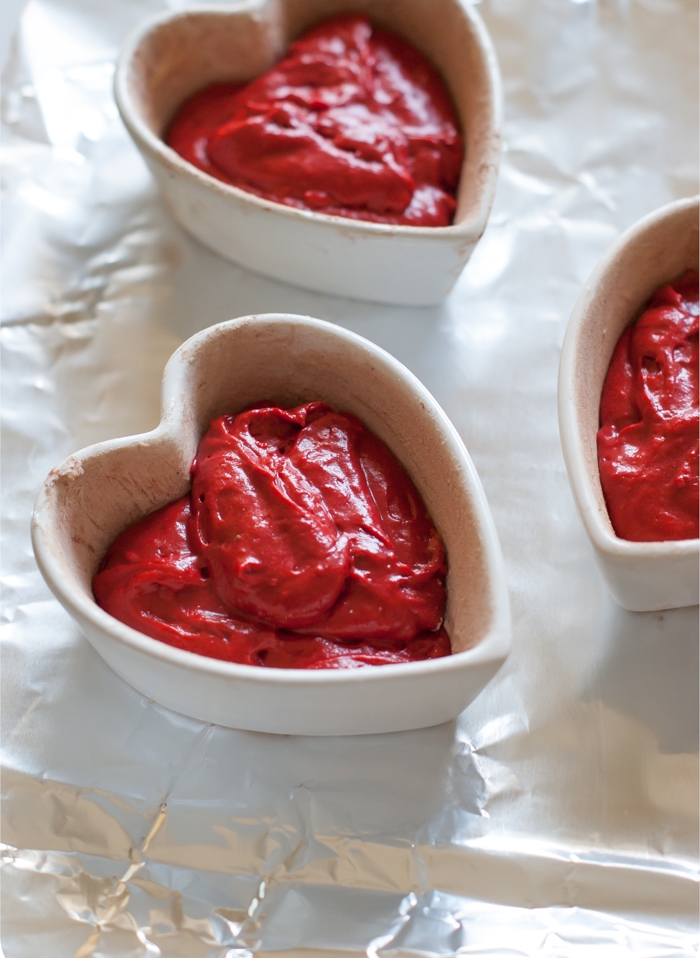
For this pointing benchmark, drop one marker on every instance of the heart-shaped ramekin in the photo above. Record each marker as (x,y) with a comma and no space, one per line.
(642,576)
(95,494)
(174,55)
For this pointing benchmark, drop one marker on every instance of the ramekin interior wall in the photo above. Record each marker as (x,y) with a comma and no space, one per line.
(186,53)
(98,496)
(93,502)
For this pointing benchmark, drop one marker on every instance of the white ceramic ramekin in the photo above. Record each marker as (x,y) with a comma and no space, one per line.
(95,494)
(172,56)
(642,576)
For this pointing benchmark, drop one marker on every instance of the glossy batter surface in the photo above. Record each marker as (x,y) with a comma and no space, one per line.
(353,122)
(648,437)
(303,544)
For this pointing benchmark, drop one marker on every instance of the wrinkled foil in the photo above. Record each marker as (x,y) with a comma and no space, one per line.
(559,814)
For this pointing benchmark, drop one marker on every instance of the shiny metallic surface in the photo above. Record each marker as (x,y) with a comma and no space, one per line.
(558,816)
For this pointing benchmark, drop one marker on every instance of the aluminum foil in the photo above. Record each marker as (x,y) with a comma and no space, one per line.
(559,814)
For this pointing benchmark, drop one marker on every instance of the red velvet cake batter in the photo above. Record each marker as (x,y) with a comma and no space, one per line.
(303,544)
(648,437)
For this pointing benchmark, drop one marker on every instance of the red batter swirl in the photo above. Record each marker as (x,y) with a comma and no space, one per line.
(353,122)
(303,544)
(648,437)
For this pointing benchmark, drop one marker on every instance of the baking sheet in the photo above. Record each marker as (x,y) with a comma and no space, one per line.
(559,814)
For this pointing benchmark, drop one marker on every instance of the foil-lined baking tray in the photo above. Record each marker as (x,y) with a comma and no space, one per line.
(559,814)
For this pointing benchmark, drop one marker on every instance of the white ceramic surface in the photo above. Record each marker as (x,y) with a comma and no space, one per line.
(642,576)
(172,56)
(96,493)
